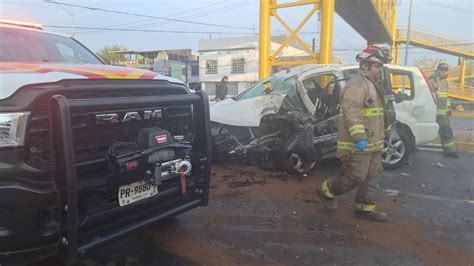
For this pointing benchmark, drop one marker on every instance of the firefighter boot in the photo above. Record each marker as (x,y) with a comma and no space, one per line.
(327,198)
(367,211)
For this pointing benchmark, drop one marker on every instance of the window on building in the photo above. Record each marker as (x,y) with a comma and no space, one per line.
(211,66)
(167,71)
(195,70)
(238,66)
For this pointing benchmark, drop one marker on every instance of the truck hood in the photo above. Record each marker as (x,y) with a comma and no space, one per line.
(246,113)
(15,75)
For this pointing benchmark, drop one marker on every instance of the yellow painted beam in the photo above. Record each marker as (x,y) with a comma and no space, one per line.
(293,62)
(293,32)
(445,48)
(298,39)
(264,42)
(327,24)
(393,46)
(397,54)
(297,3)
(462,73)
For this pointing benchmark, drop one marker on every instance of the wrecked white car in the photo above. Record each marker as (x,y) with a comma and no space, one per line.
(289,120)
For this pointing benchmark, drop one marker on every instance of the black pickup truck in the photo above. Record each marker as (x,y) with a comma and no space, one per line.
(90,152)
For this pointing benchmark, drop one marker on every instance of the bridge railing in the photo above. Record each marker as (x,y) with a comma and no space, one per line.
(436,40)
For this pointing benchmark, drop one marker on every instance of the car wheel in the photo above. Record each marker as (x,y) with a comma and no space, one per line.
(294,164)
(397,149)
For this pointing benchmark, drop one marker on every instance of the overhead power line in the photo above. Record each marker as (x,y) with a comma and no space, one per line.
(144,30)
(217,10)
(148,16)
(196,15)
(171,15)
(166,18)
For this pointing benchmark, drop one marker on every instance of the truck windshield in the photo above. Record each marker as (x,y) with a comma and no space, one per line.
(19,45)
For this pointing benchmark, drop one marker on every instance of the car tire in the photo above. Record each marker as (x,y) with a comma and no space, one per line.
(397,149)
(294,165)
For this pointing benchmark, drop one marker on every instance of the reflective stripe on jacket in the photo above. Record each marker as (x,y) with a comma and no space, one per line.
(362,116)
(442,98)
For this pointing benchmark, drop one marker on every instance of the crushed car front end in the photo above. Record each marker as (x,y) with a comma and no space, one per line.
(267,125)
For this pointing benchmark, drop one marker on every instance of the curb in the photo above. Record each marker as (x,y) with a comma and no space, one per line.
(461,146)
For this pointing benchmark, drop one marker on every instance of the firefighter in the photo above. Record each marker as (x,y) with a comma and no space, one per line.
(440,85)
(361,135)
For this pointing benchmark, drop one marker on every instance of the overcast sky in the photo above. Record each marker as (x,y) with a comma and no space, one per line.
(233,17)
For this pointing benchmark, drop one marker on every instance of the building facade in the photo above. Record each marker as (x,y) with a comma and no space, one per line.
(236,58)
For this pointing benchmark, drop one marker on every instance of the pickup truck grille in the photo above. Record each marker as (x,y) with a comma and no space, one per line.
(91,140)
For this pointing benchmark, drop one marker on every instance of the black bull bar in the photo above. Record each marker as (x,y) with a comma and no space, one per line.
(65,176)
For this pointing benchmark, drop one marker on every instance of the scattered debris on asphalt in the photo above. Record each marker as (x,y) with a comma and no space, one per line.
(405,174)
(392,192)
(439,165)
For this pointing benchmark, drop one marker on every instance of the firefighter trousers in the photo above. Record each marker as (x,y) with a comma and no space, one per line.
(357,170)
(446,133)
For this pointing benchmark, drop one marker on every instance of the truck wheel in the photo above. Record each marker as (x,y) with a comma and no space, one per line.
(397,149)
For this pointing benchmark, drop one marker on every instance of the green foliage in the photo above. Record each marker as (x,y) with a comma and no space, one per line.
(110,55)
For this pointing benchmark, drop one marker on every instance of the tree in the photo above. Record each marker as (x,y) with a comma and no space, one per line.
(110,55)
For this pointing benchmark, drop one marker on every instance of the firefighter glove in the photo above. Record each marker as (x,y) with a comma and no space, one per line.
(361,144)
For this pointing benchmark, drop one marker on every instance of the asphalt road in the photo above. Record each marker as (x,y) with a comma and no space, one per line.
(262,218)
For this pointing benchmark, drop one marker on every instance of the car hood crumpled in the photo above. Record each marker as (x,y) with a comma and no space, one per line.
(248,112)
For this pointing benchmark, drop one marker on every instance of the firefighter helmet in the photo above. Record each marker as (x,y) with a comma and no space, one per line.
(442,67)
(374,54)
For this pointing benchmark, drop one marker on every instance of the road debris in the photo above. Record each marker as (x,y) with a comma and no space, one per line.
(392,192)
(405,174)
(439,165)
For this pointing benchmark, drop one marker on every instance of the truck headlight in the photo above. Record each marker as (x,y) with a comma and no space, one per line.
(12,129)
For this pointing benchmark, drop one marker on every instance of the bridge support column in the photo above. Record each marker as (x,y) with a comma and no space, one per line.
(264,38)
(327,23)
(397,54)
(462,74)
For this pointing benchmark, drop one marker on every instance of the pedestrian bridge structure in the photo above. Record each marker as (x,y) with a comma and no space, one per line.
(375,20)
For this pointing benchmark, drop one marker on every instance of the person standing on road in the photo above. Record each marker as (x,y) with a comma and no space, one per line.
(360,136)
(440,85)
(222,88)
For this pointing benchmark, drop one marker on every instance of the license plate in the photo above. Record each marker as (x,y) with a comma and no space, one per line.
(133,192)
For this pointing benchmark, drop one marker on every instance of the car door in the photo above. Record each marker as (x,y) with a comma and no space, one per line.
(414,104)
(322,92)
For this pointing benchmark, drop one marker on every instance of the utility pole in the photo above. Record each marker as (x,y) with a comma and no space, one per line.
(408,34)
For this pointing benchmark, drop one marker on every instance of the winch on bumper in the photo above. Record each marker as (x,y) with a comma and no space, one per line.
(156,156)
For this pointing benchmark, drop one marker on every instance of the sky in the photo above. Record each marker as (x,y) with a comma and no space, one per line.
(189,21)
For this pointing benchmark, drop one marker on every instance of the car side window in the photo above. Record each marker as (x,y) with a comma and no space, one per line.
(323,91)
(402,85)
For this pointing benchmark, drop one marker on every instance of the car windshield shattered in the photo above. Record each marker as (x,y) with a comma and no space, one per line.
(274,85)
